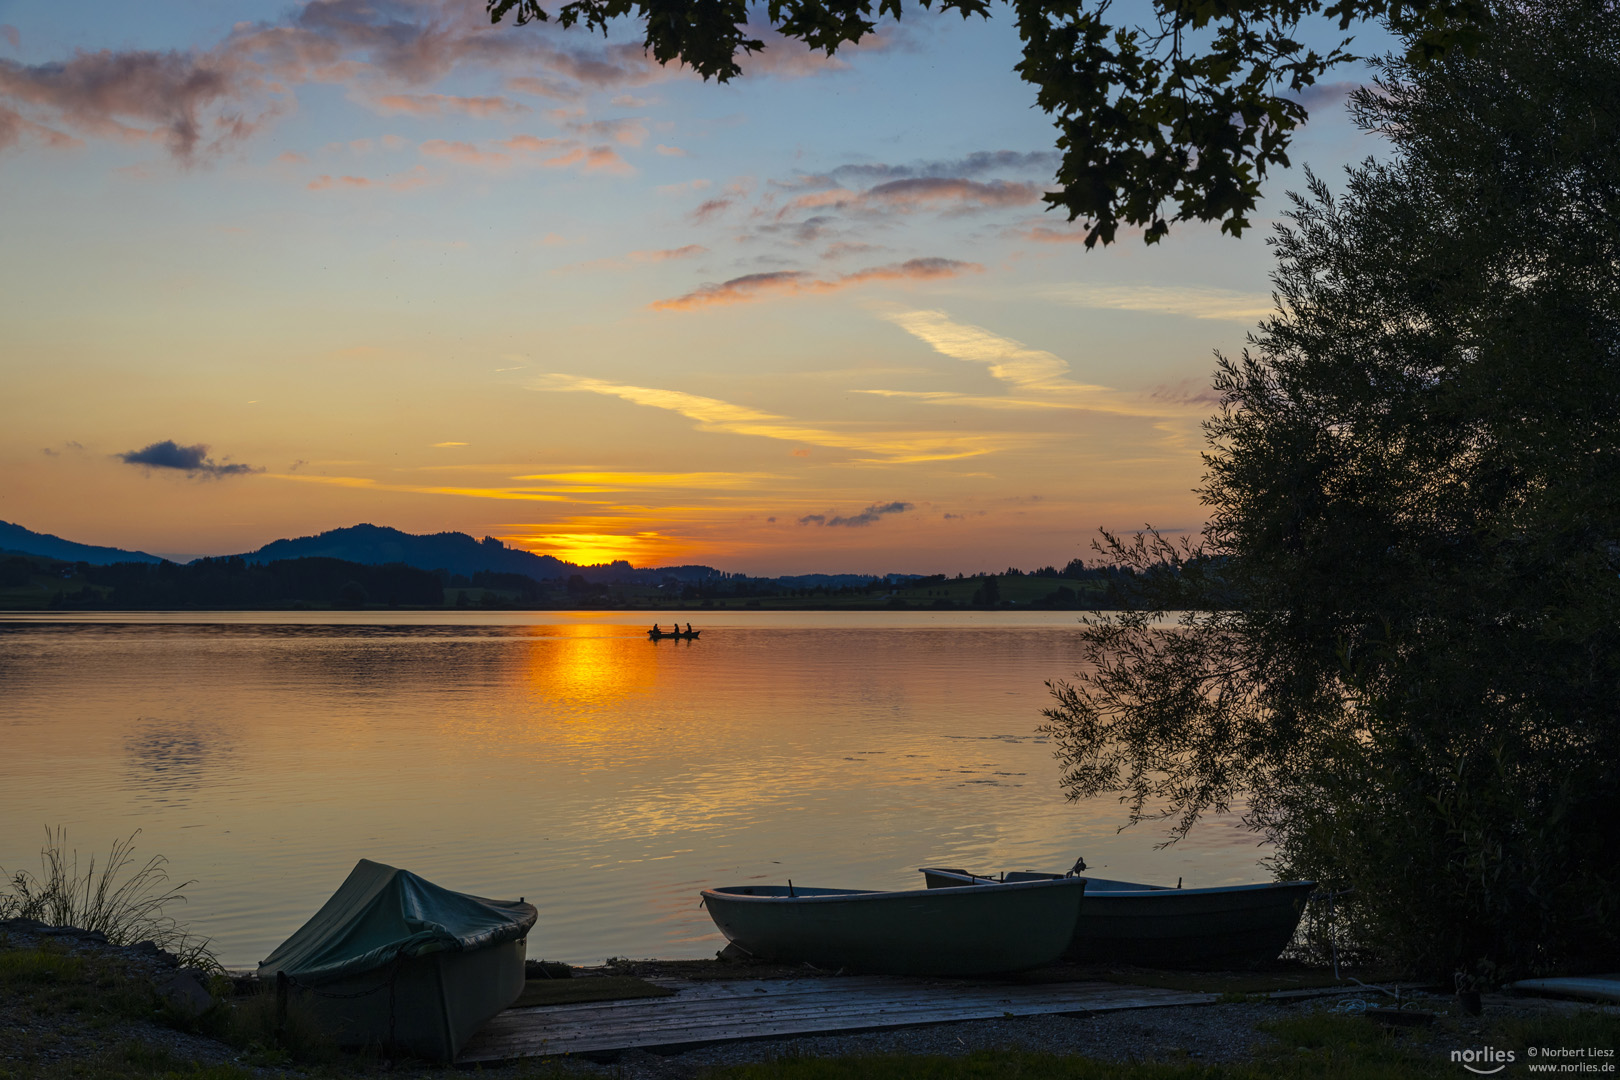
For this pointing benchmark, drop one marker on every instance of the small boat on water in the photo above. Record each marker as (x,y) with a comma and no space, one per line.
(1165,926)
(978,929)
(393,960)
(657,634)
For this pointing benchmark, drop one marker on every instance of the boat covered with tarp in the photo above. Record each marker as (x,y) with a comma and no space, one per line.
(1163,925)
(395,961)
(972,931)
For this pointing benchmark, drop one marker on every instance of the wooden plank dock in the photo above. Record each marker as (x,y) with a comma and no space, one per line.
(708,1012)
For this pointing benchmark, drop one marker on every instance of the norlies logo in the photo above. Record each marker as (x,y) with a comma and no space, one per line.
(1486,1061)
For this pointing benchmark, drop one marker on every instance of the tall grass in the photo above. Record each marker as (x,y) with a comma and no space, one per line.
(124,901)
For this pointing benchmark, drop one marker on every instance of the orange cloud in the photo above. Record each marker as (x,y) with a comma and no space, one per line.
(605,159)
(531,144)
(1045,234)
(754,286)
(321,183)
(464,153)
(366,483)
(439,104)
(406,181)
(668,253)
(530,150)
(634,257)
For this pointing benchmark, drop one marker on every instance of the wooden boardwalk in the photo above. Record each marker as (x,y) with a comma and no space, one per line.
(707,1012)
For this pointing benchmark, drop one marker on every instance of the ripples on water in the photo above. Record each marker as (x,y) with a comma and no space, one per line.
(560,757)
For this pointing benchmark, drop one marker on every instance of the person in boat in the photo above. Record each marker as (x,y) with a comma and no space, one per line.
(655,630)
(688,627)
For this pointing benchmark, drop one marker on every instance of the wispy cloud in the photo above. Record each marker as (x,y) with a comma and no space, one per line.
(1040,377)
(192,105)
(868,516)
(367,483)
(715,415)
(758,286)
(626,132)
(528,150)
(947,194)
(440,104)
(1190,301)
(191,460)
(1046,234)
(979,163)
(607,481)
(636,258)
(1325,95)
(409,180)
(200,102)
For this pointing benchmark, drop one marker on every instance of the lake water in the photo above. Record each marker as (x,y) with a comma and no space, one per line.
(562,757)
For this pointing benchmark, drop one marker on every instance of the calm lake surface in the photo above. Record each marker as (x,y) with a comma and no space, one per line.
(562,757)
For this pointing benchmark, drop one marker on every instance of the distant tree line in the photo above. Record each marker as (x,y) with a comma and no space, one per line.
(237,583)
(316,582)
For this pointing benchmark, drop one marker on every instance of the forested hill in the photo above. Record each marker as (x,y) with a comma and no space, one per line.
(375,545)
(27,541)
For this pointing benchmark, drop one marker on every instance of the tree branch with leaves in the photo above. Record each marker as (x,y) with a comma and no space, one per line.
(1178,120)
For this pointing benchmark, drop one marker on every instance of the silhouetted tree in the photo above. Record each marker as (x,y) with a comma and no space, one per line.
(1412,488)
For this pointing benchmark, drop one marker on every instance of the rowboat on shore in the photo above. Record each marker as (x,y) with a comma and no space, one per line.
(1164,926)
(974,930)
(393,960)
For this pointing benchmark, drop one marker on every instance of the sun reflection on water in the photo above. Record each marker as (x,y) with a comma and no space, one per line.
(573,761)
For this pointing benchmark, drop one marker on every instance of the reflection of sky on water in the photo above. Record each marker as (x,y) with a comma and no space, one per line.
(604,776)
(168,761)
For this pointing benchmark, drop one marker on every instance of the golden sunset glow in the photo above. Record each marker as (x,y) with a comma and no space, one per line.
(593,549)
(422,271)
(584,665)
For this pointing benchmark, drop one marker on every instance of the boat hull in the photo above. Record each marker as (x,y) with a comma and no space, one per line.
(969,931)
(433,1006)
(1124,922)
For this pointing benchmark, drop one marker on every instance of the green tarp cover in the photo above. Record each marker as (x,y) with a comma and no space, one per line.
(381,912)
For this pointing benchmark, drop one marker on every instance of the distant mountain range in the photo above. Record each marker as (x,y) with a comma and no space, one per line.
(16,538)
(376,545)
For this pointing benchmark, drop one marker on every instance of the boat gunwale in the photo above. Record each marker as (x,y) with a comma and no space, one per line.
(854,895)
(1107,893)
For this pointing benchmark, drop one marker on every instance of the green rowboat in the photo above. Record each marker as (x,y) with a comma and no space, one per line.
(1161,926)
(976,930)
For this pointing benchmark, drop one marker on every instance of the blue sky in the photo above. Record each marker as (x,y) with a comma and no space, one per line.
(414,270)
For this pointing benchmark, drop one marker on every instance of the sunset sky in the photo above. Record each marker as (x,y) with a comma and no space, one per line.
(270,269)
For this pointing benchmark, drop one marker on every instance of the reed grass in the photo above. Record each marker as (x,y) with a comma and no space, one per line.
(118,898)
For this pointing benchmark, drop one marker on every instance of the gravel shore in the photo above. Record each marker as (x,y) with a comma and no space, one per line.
(35,1041)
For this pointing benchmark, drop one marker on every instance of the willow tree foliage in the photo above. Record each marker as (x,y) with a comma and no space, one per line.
(1173,121)
(1411,681)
